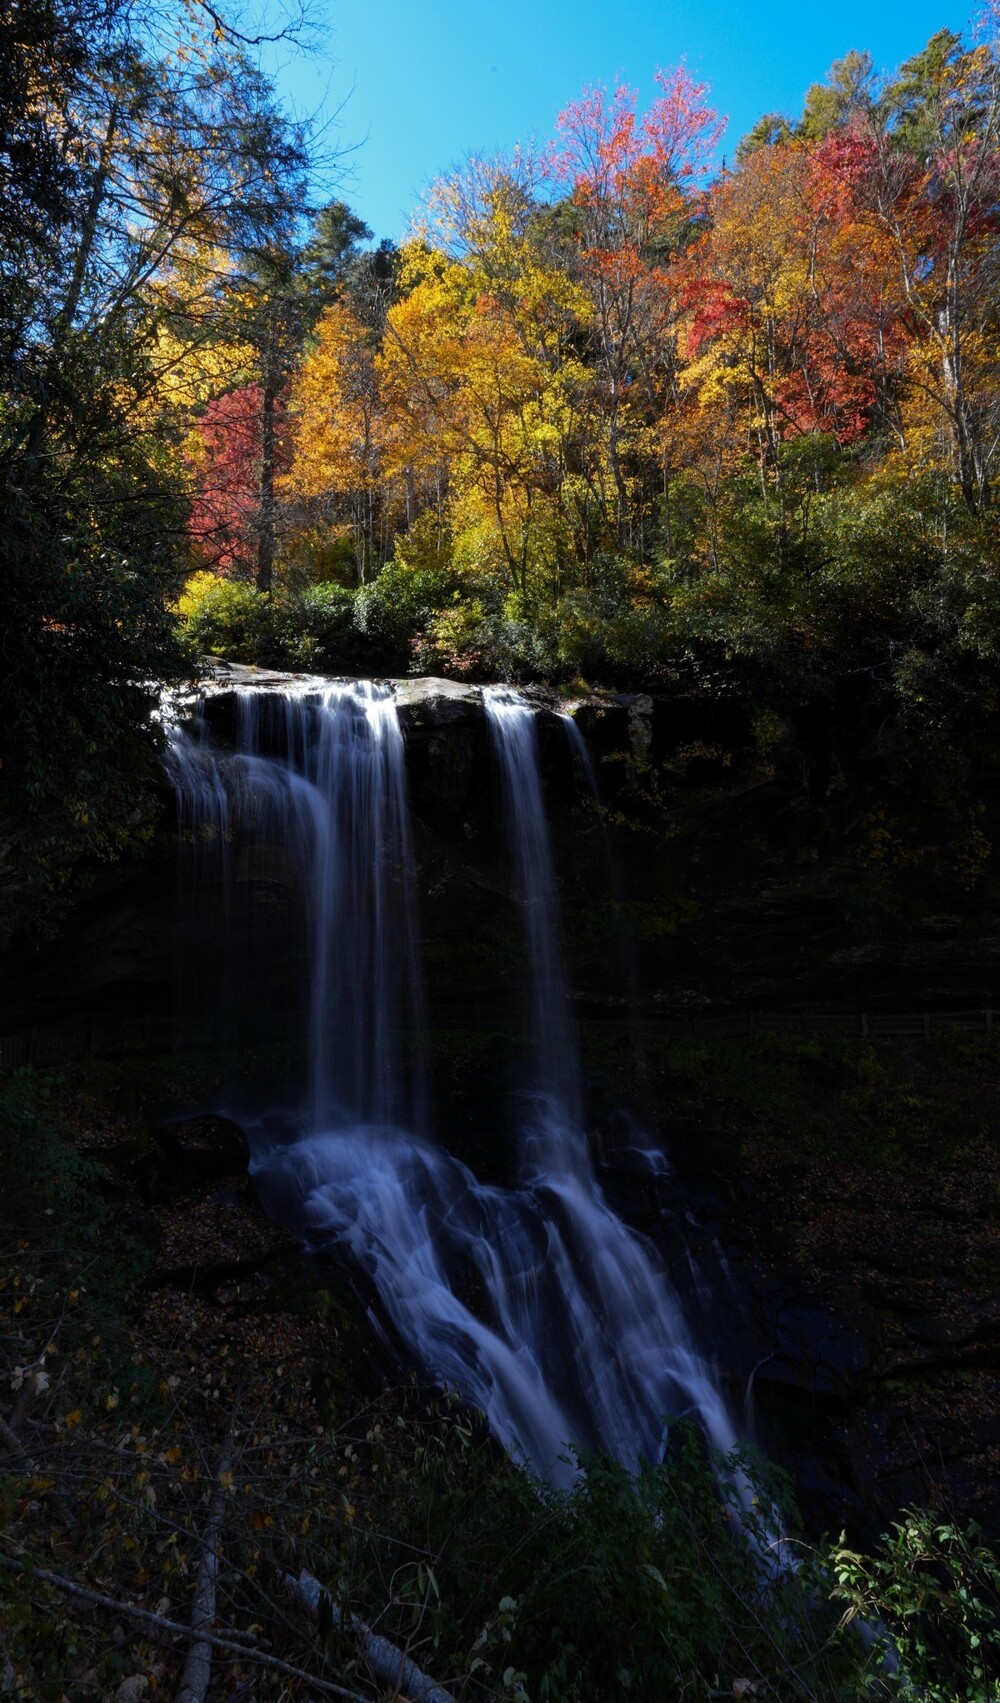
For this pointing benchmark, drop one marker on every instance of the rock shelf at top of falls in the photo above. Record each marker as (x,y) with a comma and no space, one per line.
(421,700)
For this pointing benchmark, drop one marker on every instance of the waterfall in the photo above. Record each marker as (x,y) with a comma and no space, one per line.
(553,1096)
(205,831)
(346,823)
(319,777)
(635,1362)
(535,1301)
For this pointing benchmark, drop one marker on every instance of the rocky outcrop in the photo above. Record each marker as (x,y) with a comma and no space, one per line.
(202,1149)
(846,1224)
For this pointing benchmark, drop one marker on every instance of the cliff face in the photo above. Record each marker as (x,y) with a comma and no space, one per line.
(748,879)
(850,1279)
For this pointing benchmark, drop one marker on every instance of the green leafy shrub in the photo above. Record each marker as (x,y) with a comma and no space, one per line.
(456,640)
(614,634)
(396,607)
(930,1599)
(316,630)
(326,628)
(523,642)
(661,1585)
(625,1587)
(230,618)
(490,637)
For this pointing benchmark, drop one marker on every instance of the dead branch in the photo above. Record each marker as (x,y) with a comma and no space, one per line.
(10,1440)
(197,1669)
(226,31)
(390,1665)
(248,1652)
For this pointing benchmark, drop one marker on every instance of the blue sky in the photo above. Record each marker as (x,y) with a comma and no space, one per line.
(421,85)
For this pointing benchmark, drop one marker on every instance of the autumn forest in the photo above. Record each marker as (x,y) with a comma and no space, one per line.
(610,400)
(623,408)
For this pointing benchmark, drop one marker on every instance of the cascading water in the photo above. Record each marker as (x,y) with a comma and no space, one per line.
(536,1301)
(330,811)
(635,1363)
(553,1114)
(346,822)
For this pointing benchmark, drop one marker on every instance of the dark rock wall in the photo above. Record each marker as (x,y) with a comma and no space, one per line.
(861,1321)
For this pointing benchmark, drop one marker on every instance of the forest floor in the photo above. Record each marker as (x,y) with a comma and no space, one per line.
(178,1383)
(158,1349)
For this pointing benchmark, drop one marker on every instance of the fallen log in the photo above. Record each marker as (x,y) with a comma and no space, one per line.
(197,1669)
(390,1665)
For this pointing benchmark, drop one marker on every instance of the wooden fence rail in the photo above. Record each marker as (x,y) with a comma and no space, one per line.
(150,1034)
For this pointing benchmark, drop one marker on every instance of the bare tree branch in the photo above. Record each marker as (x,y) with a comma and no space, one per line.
(249,1652)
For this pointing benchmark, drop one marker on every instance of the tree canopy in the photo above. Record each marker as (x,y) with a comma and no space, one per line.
(611,411)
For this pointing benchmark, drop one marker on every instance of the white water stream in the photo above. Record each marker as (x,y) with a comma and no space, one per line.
(536,1301)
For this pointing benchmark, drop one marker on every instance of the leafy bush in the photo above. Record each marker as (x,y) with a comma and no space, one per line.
(652,1586)
(229,618)
(484,638)
(931,1601)
(455,641)
(626,1587)
(326,628)
(316,631)
(617,631)
(396,607)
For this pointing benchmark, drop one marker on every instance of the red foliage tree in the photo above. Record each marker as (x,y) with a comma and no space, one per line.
(225,518)
(633,182)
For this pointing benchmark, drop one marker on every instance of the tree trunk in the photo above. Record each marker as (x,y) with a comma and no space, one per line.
(67,313)
(265,521)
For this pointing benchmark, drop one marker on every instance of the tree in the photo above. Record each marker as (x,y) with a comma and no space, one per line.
(129,166)
(909,101)
(269,314)
(847,94)
(931,190)
(43,52)
(631,182)
(337,425)
(226,456)
(278,291)
(335,267)
(767,131)
(330,252)
(748,291)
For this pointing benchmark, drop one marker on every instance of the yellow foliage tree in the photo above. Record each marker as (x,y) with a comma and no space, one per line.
(336,412)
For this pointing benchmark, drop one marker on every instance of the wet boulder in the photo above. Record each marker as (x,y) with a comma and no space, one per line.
(202,1149)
